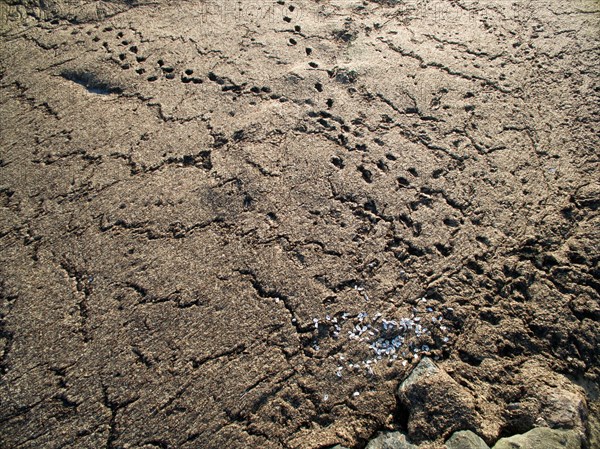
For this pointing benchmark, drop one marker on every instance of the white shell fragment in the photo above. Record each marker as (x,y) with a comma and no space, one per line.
(392,339)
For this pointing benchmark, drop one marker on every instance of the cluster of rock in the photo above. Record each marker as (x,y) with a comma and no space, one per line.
(538,438)
(440,409)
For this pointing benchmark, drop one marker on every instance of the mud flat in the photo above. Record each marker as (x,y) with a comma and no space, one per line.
(299,224)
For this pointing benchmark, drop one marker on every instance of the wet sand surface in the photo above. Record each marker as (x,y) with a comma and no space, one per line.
(242,225)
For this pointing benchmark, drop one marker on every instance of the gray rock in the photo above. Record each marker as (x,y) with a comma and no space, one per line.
(594,424)
(565,409)
(465,439)
(338,446)
(548,400)
(390,440)
(542,438)
(589,196)
(437,404)
(594,438)
(424,369)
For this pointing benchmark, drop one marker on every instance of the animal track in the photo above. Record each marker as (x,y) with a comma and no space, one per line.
(366,174)
(338,162)
(123,47)
(188,78)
